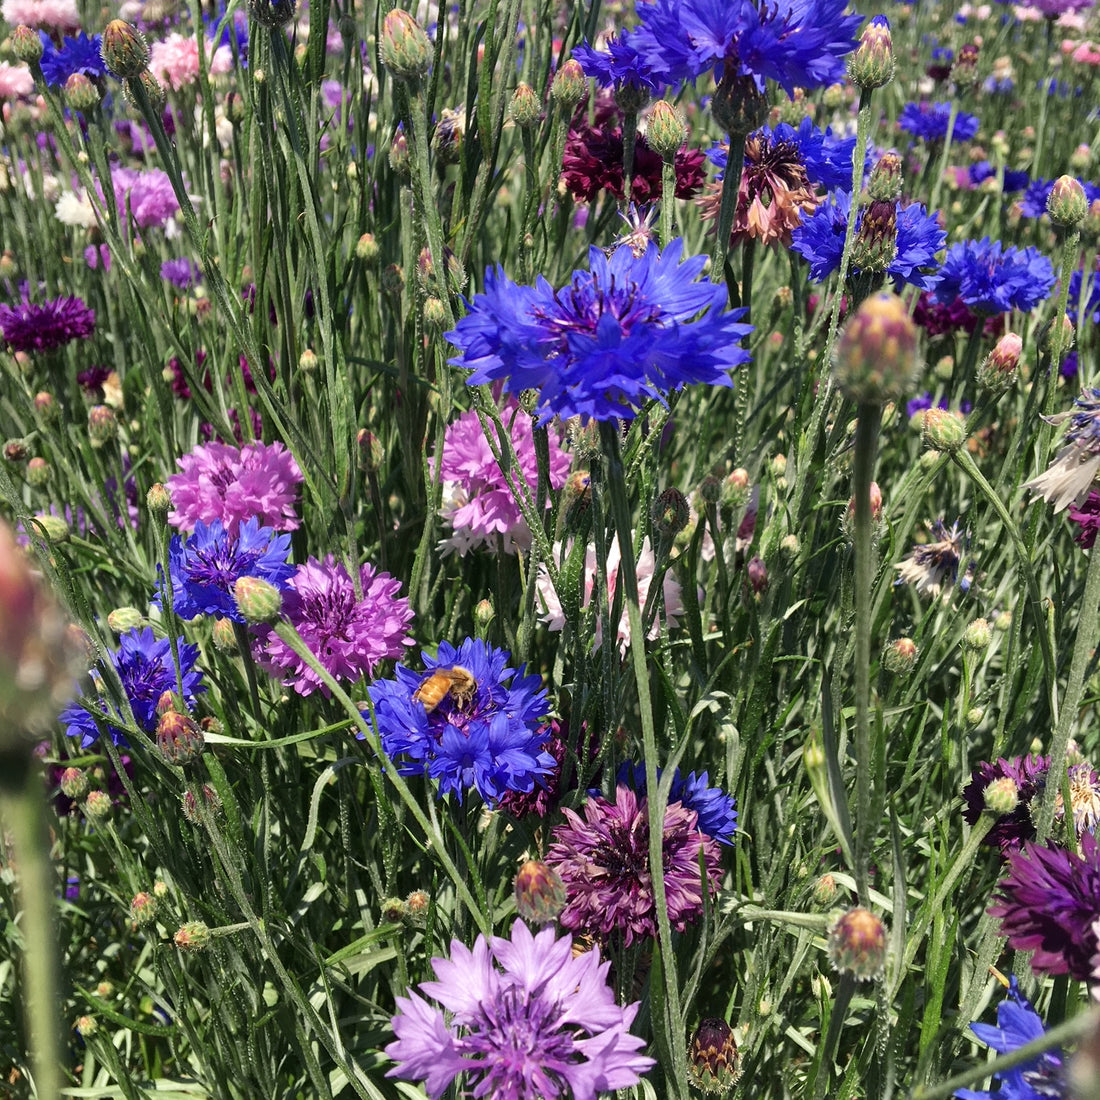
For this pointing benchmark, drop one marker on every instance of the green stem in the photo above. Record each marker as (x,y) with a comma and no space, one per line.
(1070,244)
(731,189)
(668,198)
(630,139)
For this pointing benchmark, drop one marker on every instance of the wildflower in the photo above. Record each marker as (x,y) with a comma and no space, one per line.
(27,327)
(75,55)
(1047,904)
(175,60)
(930,566)
(629,330)
(149,196)
(1017,1025)
(872,64)
(145,666)
(57,16)
(205,567)
(488,737)
(477,500)
(990,278)
(1069,479)
(716,810)
(539,892)
(1009,830)
(347,633)
(619,65)
(545,795)
(603,859)
(182,273)
(521,1018)
(232,484)
(124,50)
(15,81)
(1087,518)
(929,121)
(820,241)
(554,616)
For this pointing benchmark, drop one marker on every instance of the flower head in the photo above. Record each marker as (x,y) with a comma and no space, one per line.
(349,634)
(1087,518)
(630,329)
(51,15)
(28,327)
(75,55)
(205,567)
(619,64)
(603,859)
(147,195)
(931,565)
(1070,477)
(716,809)
(233,484)
(521,1019)
(1011,830)
(929,122)
(181,273)
(145,666)
(175,60)
(990,278)
(468,720)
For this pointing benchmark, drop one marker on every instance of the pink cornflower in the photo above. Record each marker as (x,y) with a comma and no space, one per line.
(59,16)
(149,195)
(232,484)
(15,81)
(175,60)
(554,617)
(477,501)
(347,633)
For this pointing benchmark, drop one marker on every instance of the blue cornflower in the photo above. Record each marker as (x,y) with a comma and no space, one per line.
(1091,302)
(75,55)
(181,272)
(1017,1025)
(716,809)
(619,65)
(796,43)
(820,241)
(144,665)
(990,278)
(468,720)
(630,329)
(982,170)
(207,565)
(928,121)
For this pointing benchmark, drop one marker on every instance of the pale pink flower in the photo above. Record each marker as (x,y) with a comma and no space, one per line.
(175,60)
(1086,53)
(48,15)
(15,81)
(554,616)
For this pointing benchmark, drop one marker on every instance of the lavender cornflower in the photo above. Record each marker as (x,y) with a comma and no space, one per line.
(145,666)
(930,566)
(928,121)
(28,327)
(1070,476)
(627,331)
(181,273)
(468,720)
(990,278)
(716,809)
(603,859)
(521,1019)
(205,567)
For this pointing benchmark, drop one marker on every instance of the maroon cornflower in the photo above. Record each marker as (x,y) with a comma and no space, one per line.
(1048,902)
(1010,830)
(937,319)
(603,859)
(29,327)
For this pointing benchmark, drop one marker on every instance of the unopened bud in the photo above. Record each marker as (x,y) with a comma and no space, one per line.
(15,450)
(405,49)
(539,892)
(1001,796)
(964,72)
(400,160)
(143,909)
(86,1026)
(26,46)
(308,361)
(758,575)
(417,904)
(900,656)
(876,355)
(885,182)
(975,716)
(714,1064)
(46,406)
(259,601)
(74,784)
(81,94)
(366,248)
(977,635)
(875,246)
(179,738)
(435,313)
(97,805)
(856,944)
(943,429)
(871,65)
(825,891)
(193,936)
(102,425)
(1002,364)
(670,513)
(153,89)
(189,804)
(1066,203)
(484,612)
(526,108)
(122,619)
(124,50)
(569,87)
(666,131)
(393,910)
(38,472)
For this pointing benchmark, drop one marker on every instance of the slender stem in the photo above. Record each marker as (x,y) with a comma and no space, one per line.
(731,189)
(1059,344)
(668,198)
(630,138)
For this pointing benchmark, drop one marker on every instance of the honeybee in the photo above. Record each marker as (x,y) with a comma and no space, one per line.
(457,682)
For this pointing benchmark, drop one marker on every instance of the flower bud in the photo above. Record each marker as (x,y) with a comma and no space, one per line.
(539,892)
(15,450)
(366,248)
(876,354)
(790,546)
(943,429)
(900,656)
(51,527)
(570,86)
(308,361)
(259,601)
(713,1060)
(224,636)
(885,182)
(26,46)
(871,65)
(484,612)
(179,738)
(393,279)
(81,94)
(1001,796)
(977,635)
(964,72)
(86,1026)
(757,573)
(876,241)
(435,313)
(74,784)
(825,891)
(143,909)
(670,513)
(710,489)
(124,618)
(46,406)
(393,910)
(102,425)
(124,50)
(405,49)
(526,108)
(666,131)
(193,936)
(1001,365)
(38,472)
(97,805)
(856,944)
(189,804)
(153,89)
(371,451)
(1066,203)
(417,905)
(400,160)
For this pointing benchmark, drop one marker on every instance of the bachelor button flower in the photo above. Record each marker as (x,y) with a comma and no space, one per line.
(603,859)
(148,195)
(477,501)
(75,55)
(716,809)
(928,121)
(347,633)
(932,565)
(1017,1025)
(1047,903)
(796,43)
(619,65)
(181,273)
(1087,518)
(1011,830)
(1070,477)
(232,484)
(990,278)
(521,1019)
(206,566)
(145,666)
(51,15)
(28,327)
(820,241)
(468,720)
(633,328)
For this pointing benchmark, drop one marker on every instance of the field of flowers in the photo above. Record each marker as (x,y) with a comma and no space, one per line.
(546,550)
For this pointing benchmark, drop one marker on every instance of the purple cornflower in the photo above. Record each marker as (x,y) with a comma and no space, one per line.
(232,484)
(619,65)
(205,567)
(1048,902)
(1017,1025)
(937,319)
(603,859)
(145,666)
(627,331)
(182,272)
(796,43)
(349,634)
(1087,518)
(28,327)
(1052,9)
(149,196)
(932,565)
(548,792)
(820,241)
(521,1019)
(1069,478)
(75,55)
(990,278)
(716,809)
(468,720)
(928,121)
(1011,830)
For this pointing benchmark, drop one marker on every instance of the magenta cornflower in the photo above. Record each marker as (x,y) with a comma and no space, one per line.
(603,859)
(349,634)
(232,484)
(29,327)
(521,1019)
